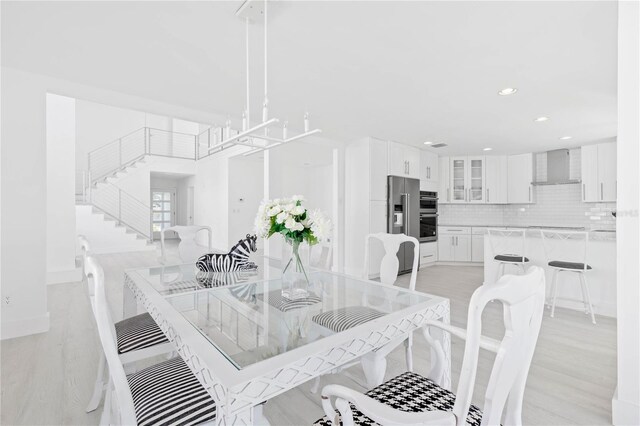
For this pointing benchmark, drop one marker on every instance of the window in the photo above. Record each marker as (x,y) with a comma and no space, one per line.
(162,210)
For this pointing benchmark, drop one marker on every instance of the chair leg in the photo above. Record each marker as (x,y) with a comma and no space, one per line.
(586,290)
(105,419)
(585,306)
(554,284)
(98,387)
(316,385)
(374,366)
(500,271)
(408,352)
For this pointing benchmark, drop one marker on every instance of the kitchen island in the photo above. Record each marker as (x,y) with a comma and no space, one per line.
(601,280)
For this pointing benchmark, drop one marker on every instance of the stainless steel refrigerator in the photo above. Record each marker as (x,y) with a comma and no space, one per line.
(403,215)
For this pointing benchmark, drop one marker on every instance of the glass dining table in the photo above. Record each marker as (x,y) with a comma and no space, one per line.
(247,343)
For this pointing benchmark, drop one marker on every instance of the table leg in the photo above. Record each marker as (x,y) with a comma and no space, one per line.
(129,302)
(445,341)
(252,416)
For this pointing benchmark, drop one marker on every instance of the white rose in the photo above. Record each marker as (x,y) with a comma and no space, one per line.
(274,210)
(298,210)
(282,217)
(288,207)
(297,198)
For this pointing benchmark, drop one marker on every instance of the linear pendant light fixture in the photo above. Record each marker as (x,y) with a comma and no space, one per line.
(249,10)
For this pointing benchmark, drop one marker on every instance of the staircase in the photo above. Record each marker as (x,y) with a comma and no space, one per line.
(111,218)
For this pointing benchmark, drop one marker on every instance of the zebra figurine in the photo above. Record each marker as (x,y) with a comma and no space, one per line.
(237,259)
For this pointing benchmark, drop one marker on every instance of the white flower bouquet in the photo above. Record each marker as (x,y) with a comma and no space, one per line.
(291,219)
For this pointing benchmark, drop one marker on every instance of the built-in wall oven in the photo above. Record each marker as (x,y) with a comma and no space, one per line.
(428,216)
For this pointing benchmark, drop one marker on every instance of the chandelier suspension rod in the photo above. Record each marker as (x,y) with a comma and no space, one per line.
(248,111)
(265,111)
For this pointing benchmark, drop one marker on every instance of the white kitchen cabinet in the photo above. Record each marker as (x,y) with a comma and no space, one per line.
(404,160)
(377,223)
(477,243)
(454,244)
(444,181)
(377,172)
(428,252)
(467,180)
(428,171)
(599,172)
(520,178)
(496,179)
(462,248)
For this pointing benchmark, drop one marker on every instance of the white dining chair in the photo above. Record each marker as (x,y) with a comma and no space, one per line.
(508,248)
(137,337)
(334,321)
(566,251)
(414,399)
(188,248)
(321,255)
(154,395)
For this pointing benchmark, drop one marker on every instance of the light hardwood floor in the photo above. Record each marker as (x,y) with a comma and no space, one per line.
(47,378)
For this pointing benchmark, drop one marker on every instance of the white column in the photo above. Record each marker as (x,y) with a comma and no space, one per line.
(61,213)
(626,401)
(24,206)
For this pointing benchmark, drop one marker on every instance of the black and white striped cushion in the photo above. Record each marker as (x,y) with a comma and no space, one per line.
(413,393)
(169,394)
(138,332)
(278,301)
(345,318)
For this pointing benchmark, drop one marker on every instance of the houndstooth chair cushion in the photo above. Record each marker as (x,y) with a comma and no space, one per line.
(169,394)
(138,332)
(345,318)
(412,393)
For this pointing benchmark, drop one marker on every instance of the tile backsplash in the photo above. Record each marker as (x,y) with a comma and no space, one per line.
(556,205)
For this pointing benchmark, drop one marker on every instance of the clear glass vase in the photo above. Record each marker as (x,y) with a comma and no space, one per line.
(295,278)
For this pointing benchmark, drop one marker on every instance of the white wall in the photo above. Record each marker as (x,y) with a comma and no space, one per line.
(183,190)
(246,182)
(61,219)
(626,402)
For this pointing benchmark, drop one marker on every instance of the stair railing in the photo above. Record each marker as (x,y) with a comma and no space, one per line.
(123,207)
(126,150)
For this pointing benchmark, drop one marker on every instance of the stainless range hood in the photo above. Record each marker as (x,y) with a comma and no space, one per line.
(558,168)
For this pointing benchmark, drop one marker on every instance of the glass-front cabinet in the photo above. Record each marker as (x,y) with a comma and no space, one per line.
(467,179)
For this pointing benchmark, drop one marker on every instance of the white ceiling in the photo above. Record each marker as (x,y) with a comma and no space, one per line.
(407,71)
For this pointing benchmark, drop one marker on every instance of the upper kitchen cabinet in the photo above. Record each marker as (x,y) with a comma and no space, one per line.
(599,172)
(404,160)
(428,171)
(519,179)
(444,180)
(496,179)
(467,177)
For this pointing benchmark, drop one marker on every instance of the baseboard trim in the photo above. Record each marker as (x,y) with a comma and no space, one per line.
(68,276)
(24,327)
(624,412)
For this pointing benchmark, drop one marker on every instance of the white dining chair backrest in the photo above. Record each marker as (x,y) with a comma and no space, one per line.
(107,333)
(321,255)
(566,246)
(508,242)
(188,248)
(389,266)
(85,252)
(522,297)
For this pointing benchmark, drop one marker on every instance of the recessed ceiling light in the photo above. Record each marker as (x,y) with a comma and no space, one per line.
(565,138)
(428,143)
(507,91)
(487,149)
(541,119)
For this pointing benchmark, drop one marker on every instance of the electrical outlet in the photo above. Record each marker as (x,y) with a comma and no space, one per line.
(7,300)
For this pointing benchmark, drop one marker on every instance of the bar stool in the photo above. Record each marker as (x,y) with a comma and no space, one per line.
(508,248)
(566,251)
